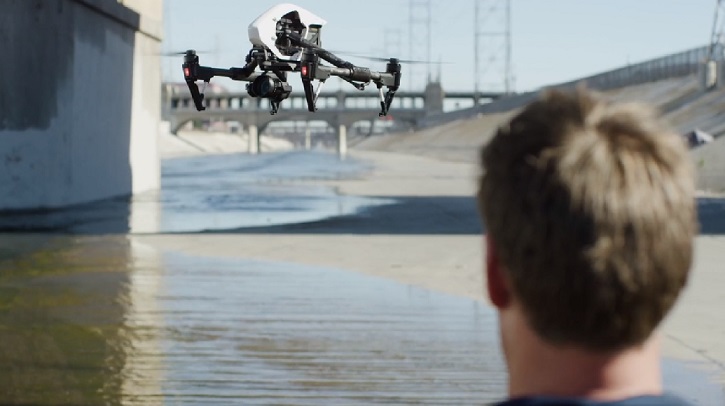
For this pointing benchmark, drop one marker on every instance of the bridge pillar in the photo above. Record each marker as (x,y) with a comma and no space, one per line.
(434,97)
(253,139)
(342,140)
(308,137)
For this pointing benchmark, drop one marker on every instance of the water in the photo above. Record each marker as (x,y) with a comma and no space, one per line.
(273,193)
(90,316)
(213,193)
(104,320)
(233,191)
(282,333)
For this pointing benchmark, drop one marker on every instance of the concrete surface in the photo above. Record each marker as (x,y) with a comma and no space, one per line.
(683,104)
(710,162)
(79,109)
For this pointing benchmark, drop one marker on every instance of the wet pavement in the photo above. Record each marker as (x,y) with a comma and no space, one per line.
(89,315)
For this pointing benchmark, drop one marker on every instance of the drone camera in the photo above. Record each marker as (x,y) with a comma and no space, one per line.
(268,87)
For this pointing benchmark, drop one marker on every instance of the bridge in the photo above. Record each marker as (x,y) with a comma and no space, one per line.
(339,109)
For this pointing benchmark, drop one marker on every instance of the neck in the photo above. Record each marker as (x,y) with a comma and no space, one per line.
(539,368)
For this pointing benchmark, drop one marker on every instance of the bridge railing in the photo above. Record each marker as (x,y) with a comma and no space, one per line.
(242,101)
(667,67)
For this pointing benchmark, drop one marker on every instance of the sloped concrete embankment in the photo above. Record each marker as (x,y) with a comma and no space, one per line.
(681,101)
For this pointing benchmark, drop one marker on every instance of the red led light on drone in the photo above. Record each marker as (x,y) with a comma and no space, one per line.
(186,72)
(304,70)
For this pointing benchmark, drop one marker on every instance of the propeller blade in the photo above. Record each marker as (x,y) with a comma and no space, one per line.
(381,59)
(173,53)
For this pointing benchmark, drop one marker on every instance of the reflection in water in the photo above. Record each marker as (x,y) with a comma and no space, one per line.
(143,373)
(98,320)
(61,320)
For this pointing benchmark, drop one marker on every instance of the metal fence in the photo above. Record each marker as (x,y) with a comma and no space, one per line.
(671,66)
(681,64)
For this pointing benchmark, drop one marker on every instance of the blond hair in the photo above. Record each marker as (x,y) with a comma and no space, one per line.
(591,208)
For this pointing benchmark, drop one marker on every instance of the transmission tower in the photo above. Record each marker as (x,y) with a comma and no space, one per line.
(419,40)
(716,38)
(492,46)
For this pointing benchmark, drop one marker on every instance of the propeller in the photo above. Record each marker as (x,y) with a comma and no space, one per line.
(174,53)
(381,59)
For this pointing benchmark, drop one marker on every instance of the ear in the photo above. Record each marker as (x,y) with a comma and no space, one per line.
(497,285)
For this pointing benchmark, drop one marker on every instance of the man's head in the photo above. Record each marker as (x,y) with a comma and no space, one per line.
(590,214)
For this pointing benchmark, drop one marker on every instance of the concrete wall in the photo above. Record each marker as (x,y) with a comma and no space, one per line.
(79,106)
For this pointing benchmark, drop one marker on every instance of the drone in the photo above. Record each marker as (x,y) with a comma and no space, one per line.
(286,38)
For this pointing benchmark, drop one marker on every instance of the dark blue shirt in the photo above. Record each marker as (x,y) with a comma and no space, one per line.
(664,400)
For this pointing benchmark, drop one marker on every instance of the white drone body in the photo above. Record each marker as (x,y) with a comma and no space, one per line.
(263,31)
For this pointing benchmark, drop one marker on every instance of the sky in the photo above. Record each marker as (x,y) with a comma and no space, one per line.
(552,41)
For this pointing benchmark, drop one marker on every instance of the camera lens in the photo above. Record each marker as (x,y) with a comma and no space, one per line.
(266,87)
(262,86)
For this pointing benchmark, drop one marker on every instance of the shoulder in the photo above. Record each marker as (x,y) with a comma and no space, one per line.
(664,400)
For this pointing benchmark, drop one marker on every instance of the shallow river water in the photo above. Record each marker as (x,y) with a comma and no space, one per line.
(89,316)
